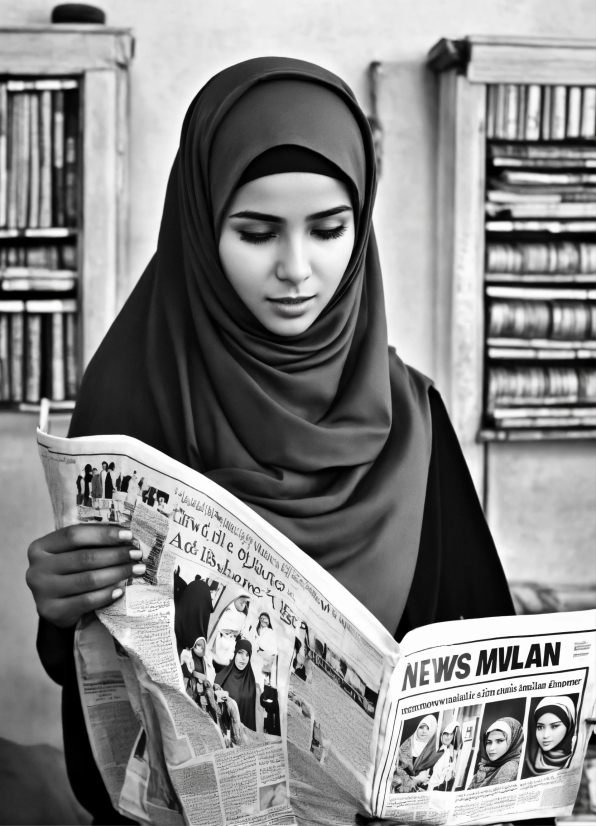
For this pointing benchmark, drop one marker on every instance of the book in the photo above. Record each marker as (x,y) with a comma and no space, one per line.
(42,84)
(547,98)
(45,134)
(3,154)
(539,209)
(23,160)
(541,151)
(348,698)
(511,110)
(14,119)
(521,385)
(501,112)
(17,352)
(545,163)
(588,117)
(4,358)
(535,319)
(58,365)
(34,162)
(533,105)
(572,227)
(58,158)
(558,113)
(33,358)
(70,355)
(70,158)
(545,178)
(556,257)
(574,111)
(491,110)
(521,113)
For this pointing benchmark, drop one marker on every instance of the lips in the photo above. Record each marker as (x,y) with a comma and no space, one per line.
(291,299)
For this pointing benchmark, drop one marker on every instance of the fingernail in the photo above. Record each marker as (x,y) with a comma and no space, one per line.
(125,536)
(136,543)
(117,592)
(136,554)
(139,569)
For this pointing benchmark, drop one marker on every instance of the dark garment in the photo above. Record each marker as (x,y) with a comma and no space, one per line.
(124,485)
(241,685)
(109,486)
(179,586)
(458,573)
(191,618)
(270,703)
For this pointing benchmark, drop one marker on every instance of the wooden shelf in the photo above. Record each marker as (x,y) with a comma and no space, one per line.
(48,234)
(541,293)
(539,278)
(535,435)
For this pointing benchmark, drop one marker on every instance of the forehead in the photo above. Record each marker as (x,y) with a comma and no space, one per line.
(290,194)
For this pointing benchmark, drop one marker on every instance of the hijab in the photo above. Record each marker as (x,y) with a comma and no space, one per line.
(424,752)
(191,618)
(539,761)
(513,732)
(456,742)
(341,466)
(241,685)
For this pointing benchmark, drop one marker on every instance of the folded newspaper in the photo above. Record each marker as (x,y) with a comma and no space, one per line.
(237,682)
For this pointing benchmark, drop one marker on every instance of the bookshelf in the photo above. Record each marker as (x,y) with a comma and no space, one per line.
(63,152)
(516,244)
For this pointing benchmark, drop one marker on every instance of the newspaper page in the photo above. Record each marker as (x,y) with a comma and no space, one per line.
(253,684)
(488,720)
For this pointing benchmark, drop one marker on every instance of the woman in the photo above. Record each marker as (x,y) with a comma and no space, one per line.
(191,621)
(551,747)
(288,396)
(445,768)
(238,681)
(503,743)
(228,628)
(417,755)
(265,642)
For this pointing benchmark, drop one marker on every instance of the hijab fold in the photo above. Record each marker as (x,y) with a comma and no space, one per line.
(327,433)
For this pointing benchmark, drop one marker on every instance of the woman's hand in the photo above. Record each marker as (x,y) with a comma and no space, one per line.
(80,568)
(422,777)
(186,658)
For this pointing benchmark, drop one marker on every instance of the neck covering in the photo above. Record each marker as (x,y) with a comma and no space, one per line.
(424,752)
(241,685)
(191,618)
(539,761)
(514,736)
(325,434)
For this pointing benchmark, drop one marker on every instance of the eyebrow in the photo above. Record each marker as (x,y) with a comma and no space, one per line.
(275,219)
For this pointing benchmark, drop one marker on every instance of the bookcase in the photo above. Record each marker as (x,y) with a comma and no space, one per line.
(63,152)
(516,245)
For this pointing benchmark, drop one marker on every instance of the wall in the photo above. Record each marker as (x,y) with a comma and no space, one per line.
(178,47)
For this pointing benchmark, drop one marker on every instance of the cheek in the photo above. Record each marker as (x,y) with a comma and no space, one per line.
(245,265)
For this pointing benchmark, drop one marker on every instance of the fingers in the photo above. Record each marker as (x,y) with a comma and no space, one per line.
(95,580)
(74,537)
(66,612)
(91,559)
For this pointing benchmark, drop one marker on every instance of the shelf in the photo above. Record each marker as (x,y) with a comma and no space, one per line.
(538,412)
(540,278)
(544,343)
(553,227)
(535,435)
(527,353)
(49,233)
(540,293)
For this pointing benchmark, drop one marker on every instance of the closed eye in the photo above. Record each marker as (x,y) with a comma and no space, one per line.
(329,234)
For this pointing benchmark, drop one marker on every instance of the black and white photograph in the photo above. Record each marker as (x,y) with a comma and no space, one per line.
(323,277)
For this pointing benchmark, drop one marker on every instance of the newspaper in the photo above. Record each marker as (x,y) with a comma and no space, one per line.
(237,682)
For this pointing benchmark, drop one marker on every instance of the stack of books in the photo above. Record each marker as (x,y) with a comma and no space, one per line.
(39,219)
(540,274)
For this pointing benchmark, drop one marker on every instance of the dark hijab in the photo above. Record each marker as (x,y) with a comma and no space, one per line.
(191,618)
(241,685)
(341,466)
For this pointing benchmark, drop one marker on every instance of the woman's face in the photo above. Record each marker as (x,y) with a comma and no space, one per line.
(423,731)
(285,243)
(240,603)
(447,737)
(199,647)
(241,659)
(549,731)
(264,620)
(496,744)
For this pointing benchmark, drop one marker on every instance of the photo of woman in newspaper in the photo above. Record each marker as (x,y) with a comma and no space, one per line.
(227,624)
(552,735)
(444,770)
(417,755)
(500,753)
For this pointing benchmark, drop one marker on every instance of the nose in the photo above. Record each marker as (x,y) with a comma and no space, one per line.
(294,264)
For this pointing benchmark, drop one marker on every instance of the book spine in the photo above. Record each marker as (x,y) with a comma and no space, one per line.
(532,126)
(559,112)
(547,100)
(3,154)
(34,163)
(574,112)
(4,359)
(23,162)
(71,358)
(500,121)
(45,206)
(588,119)
(14,118)
(491,110)
(16,356)
(33,360)
(58,382)
(521,112)
(58,158)
(70,159)
(512,101)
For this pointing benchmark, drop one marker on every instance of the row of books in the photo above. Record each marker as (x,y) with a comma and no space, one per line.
(564,320)
(50,268)
(38,153)
(532,112)
(564,257)
(515,386)
(37,350)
